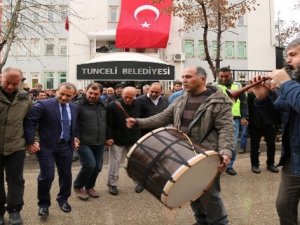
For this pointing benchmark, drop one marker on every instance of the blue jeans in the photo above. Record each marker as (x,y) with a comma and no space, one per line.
(236,136)
(244,136)
(91,159)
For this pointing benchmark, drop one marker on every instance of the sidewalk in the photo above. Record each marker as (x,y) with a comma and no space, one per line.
(249,199)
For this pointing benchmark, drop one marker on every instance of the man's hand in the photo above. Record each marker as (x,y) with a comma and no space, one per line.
(261,90)
(109,142)
(130,122)
(279,77)
(76,143)
(33,148)
(244,122)
(226,160)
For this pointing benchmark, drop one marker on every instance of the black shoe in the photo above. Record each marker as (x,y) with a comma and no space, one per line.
(113,190)
(139,188)
(75,158)
(242,150)
(2,220)
(65,207)
(15,218)
(43,212)
(231,172)
(256,169)
(272,168)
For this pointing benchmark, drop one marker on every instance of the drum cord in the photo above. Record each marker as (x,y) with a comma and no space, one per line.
(189,140)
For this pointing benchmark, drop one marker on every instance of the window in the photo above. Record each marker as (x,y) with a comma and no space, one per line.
(7,12)
(242,50)
(113,13)
(35,46)
(214,47)
(112,46)
(49,80)
(62,44)
(229,49)
(241,21)
(62,77)
(63,13)
(22,16)
(13,49)
(50,15)
(34,78)
(49,48)
(22,47)
(189,48)
(201,49)
(35,16)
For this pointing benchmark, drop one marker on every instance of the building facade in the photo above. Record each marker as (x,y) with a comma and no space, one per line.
(92,32)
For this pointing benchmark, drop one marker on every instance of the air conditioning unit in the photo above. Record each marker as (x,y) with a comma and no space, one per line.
(178,57)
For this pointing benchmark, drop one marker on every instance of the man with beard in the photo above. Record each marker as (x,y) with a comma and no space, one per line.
(92,129)
(239,109)
(285,110)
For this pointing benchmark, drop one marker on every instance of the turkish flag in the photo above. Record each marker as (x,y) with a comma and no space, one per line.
(143,24)
(67,23)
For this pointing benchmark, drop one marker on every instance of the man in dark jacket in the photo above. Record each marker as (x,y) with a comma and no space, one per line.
(56,120)
(258,128)
(14,105)
(152,103)
(119,137)
(92,129)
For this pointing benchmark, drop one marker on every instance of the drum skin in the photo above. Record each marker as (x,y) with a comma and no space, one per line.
(168,167)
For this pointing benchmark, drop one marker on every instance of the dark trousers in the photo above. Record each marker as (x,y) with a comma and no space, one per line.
(61,156)
(255,136)
(288,199)
(13,166)
(209,208)
(91,159)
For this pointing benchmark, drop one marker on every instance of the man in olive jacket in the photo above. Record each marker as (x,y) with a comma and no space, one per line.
(204,113)
(14,105)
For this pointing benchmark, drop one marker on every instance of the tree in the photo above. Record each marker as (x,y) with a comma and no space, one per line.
(215,16)
(285,33)
(286,30)
(28,18)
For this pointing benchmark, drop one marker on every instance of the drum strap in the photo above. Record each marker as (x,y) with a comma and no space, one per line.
(155,161)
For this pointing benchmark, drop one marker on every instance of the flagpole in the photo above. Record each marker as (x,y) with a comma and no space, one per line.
(67,26)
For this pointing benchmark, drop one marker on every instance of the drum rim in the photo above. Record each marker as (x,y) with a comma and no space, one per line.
(180,171)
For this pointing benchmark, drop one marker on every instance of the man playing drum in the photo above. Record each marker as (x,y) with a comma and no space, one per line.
(204,113)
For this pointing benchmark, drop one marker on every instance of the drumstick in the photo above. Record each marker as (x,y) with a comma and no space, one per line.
(120,107)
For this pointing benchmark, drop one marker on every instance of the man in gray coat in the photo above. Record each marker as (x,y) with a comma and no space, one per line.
(14,105)
(204,113)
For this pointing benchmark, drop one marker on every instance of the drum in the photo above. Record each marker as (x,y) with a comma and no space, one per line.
(172,167)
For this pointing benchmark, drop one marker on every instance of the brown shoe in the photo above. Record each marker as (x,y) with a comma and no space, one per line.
(92,193)
(81,194)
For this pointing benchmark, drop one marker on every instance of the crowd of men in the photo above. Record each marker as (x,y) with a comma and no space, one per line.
(54,125)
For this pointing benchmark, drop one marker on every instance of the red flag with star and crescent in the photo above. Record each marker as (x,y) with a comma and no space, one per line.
(143,24)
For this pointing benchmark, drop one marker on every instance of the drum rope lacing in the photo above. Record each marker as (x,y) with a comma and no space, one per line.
(189,140)
(155,161)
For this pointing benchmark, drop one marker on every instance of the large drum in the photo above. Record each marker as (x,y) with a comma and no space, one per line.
(171,166)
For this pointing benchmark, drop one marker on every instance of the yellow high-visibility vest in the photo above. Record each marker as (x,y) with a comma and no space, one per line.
(236,106)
